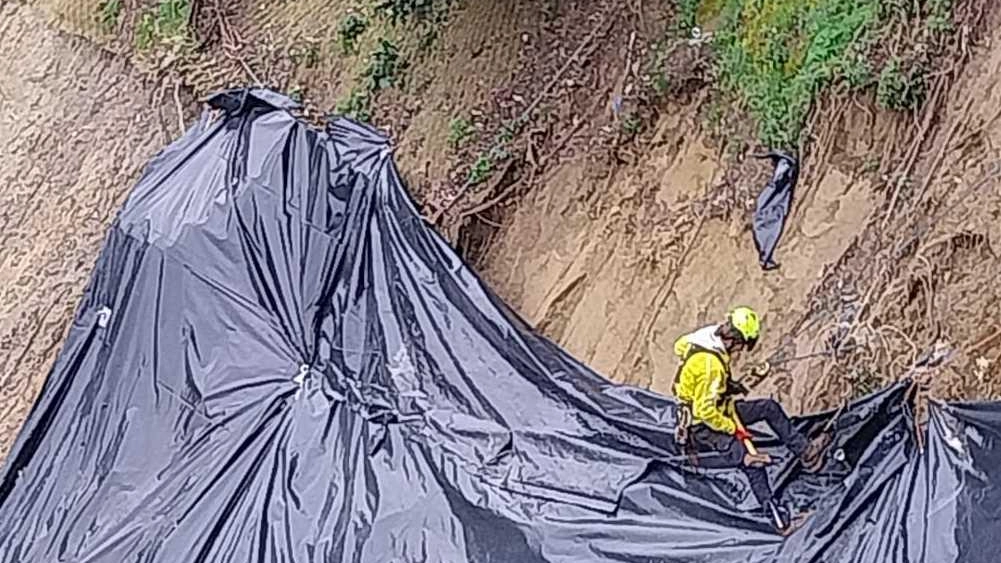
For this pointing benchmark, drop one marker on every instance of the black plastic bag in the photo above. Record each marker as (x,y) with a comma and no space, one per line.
(774,203)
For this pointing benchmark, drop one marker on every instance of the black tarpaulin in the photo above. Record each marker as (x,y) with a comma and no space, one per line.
(276,360)
(773,206)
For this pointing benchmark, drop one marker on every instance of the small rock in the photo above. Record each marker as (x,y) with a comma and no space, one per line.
(524,38)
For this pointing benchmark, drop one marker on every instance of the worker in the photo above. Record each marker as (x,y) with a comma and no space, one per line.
(707,425)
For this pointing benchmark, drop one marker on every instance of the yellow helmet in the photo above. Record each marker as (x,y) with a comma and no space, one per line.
(745,320)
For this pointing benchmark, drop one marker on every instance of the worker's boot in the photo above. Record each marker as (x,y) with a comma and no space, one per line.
(813,456)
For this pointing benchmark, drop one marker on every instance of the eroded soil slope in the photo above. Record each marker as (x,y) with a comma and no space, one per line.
(620,268)
(890,253)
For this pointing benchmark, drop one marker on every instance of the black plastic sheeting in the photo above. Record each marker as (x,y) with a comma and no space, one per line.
(276,360)
(774,203)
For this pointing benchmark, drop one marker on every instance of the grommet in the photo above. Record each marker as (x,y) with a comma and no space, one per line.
(103,317)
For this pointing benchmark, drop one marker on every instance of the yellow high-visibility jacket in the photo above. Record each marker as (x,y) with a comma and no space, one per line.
(702,378)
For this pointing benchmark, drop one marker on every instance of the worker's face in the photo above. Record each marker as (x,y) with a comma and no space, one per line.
(731,339)
(735,346)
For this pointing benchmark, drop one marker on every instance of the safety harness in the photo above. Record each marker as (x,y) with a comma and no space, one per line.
(683,418)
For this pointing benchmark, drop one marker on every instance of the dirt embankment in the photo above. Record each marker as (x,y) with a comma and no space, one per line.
(890,253)
(610,217)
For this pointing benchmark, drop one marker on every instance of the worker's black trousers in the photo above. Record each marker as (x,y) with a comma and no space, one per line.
(715,450)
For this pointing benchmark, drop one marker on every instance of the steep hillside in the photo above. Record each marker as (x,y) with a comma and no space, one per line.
(887,258)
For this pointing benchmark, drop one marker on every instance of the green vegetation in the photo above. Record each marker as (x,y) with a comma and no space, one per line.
(357,105)
(146,32)
(481,170)
(687,13)
(384,70)
(692,13)
(459,129)
(863,382)
(774,57)
(108,14)
(939,16)
(901,86)
(426,15)
(349,30)
(857,70)
(398,11)
(385,67)
(631,125)
(506,135)
(485,164)
(714,114)
(167,23)
(661,82)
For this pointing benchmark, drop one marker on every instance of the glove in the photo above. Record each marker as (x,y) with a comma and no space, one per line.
(741,434)
(757,460)
(736,388)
